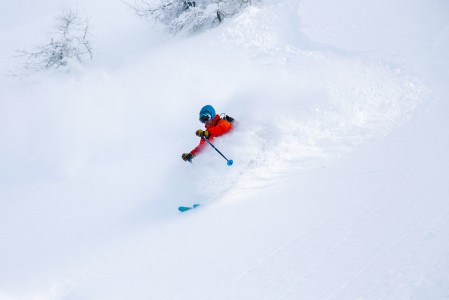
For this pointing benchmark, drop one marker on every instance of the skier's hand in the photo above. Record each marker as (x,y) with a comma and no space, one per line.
(202,133)
(187,157)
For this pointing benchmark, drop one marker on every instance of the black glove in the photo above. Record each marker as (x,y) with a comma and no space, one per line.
(202,133)
(187,157)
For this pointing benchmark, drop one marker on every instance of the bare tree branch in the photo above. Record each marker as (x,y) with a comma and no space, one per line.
(70,41)
(180,15)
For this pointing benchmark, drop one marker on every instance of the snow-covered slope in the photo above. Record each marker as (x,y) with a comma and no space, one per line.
(339,185)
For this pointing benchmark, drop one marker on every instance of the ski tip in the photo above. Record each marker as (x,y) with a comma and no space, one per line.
(184,208)
(187,208)
(230,162)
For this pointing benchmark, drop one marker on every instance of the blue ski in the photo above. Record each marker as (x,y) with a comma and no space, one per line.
(187,208)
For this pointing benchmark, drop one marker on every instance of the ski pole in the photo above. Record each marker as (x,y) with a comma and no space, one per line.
(229,161)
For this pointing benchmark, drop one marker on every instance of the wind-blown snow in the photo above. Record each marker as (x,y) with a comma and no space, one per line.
(339,183)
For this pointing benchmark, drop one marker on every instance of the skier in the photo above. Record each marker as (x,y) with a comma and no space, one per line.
(215,126)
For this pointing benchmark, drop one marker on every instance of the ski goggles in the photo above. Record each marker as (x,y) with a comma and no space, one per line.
(204,119)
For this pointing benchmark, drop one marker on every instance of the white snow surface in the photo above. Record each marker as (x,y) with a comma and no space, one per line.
(339,188)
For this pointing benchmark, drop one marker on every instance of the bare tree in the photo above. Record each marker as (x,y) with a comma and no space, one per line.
(179,15)
(69,42)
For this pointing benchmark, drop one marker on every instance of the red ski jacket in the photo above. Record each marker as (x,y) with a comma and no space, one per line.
(216,128)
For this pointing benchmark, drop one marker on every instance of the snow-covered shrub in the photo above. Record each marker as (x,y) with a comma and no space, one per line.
(190,16)
(69,42)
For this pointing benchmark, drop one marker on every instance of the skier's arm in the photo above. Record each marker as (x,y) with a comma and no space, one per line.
(221,128)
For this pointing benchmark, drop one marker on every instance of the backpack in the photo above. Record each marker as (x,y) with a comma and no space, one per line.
(227,118)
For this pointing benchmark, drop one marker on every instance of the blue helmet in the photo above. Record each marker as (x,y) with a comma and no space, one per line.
(207,111)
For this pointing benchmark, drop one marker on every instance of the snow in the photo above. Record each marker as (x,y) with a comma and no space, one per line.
(339,183)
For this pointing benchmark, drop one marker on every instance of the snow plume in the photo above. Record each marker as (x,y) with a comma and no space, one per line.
(295,108)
